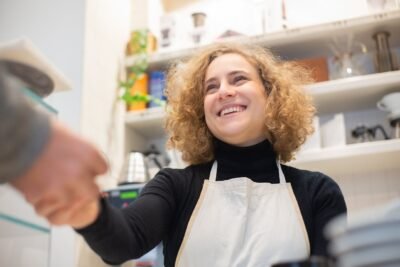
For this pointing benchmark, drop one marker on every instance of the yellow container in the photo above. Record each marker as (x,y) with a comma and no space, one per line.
(140,87)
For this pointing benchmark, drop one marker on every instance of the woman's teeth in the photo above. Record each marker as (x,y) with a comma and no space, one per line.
(232,110)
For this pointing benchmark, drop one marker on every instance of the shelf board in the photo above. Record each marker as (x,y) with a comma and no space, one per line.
(301,42)
(353,93)
(36,99)
(363,157)
(13,226)
(342,95)
(147,122)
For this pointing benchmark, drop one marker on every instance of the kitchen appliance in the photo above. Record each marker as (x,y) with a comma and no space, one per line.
(391,104)
(365,134)
(134,170)
(121,197)
(139,167)
(384,57)
(155,161)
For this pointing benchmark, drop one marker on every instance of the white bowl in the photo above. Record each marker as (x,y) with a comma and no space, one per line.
(366,236)
(384,214)
(382,255)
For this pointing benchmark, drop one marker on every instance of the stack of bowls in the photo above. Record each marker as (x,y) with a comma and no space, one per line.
(371,238)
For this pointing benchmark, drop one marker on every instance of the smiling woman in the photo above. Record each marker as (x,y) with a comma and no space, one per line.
(236,113)
(250,78)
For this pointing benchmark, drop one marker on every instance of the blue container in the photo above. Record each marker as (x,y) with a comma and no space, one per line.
(157,85)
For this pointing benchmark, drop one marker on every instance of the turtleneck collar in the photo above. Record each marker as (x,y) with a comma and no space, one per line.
(257,162)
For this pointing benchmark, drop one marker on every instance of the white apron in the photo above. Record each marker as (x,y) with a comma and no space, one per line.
(240,223)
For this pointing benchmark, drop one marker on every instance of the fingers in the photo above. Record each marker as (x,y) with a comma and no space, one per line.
(99,163)
(68,200)
(79,218)
(62,178)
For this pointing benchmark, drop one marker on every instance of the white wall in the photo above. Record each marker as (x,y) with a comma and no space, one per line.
(107,30)
(56,28)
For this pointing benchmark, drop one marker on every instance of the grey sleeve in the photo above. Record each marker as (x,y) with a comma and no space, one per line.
(24,130)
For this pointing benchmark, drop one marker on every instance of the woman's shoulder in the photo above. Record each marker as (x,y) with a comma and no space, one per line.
(294,175)
(315,184)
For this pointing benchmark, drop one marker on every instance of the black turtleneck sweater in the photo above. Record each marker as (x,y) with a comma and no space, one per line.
(164,207)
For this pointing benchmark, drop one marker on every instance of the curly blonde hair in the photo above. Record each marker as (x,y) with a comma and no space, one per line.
(288,114)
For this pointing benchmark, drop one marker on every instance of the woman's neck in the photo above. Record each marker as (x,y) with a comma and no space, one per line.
(257,162)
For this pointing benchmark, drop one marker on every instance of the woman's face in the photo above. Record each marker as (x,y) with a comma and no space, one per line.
(235,101)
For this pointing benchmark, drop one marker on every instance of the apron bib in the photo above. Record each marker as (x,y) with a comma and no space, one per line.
(240,223)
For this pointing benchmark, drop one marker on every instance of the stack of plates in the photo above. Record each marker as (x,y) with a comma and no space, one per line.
(371,238)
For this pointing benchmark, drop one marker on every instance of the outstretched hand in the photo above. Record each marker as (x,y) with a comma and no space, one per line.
(61,182)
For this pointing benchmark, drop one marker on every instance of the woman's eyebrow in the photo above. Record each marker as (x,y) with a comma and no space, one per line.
(232,73)
(212,79)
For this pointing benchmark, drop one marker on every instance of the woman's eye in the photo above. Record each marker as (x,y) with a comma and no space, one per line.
(239,78)
(211,87)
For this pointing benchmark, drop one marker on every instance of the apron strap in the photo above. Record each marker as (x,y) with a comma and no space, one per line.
(213,173)
(282,179)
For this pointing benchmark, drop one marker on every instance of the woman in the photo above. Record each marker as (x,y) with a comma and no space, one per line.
(235,112)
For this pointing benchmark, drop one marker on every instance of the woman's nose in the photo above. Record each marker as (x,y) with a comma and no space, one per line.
(226,90)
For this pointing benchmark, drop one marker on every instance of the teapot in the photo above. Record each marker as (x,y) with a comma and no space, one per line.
(134,170)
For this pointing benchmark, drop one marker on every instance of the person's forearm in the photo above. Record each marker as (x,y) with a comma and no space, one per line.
(24,131)
(112,238)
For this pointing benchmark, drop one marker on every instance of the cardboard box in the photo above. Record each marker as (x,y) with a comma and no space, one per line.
(317,66)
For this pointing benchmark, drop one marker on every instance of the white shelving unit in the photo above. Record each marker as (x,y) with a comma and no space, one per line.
(355,93)
(342,95)
(148,123)
(348,94)
(302,41)
(370,156)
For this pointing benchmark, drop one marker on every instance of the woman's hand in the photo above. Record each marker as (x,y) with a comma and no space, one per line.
(79,216)
(85,216)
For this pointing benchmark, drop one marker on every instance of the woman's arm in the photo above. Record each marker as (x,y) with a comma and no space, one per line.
(120,235)
(328,202)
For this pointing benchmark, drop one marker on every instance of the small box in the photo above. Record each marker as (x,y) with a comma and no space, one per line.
(333,132)
(313,142)
(317,66)
(157,85)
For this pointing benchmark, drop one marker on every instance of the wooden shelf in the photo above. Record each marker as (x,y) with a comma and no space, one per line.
(363,157)
(353,93)
(303,42)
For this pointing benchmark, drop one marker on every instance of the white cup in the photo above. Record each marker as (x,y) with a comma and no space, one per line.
(390,103)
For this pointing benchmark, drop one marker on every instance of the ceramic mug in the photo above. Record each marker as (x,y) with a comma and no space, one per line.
(390,103)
